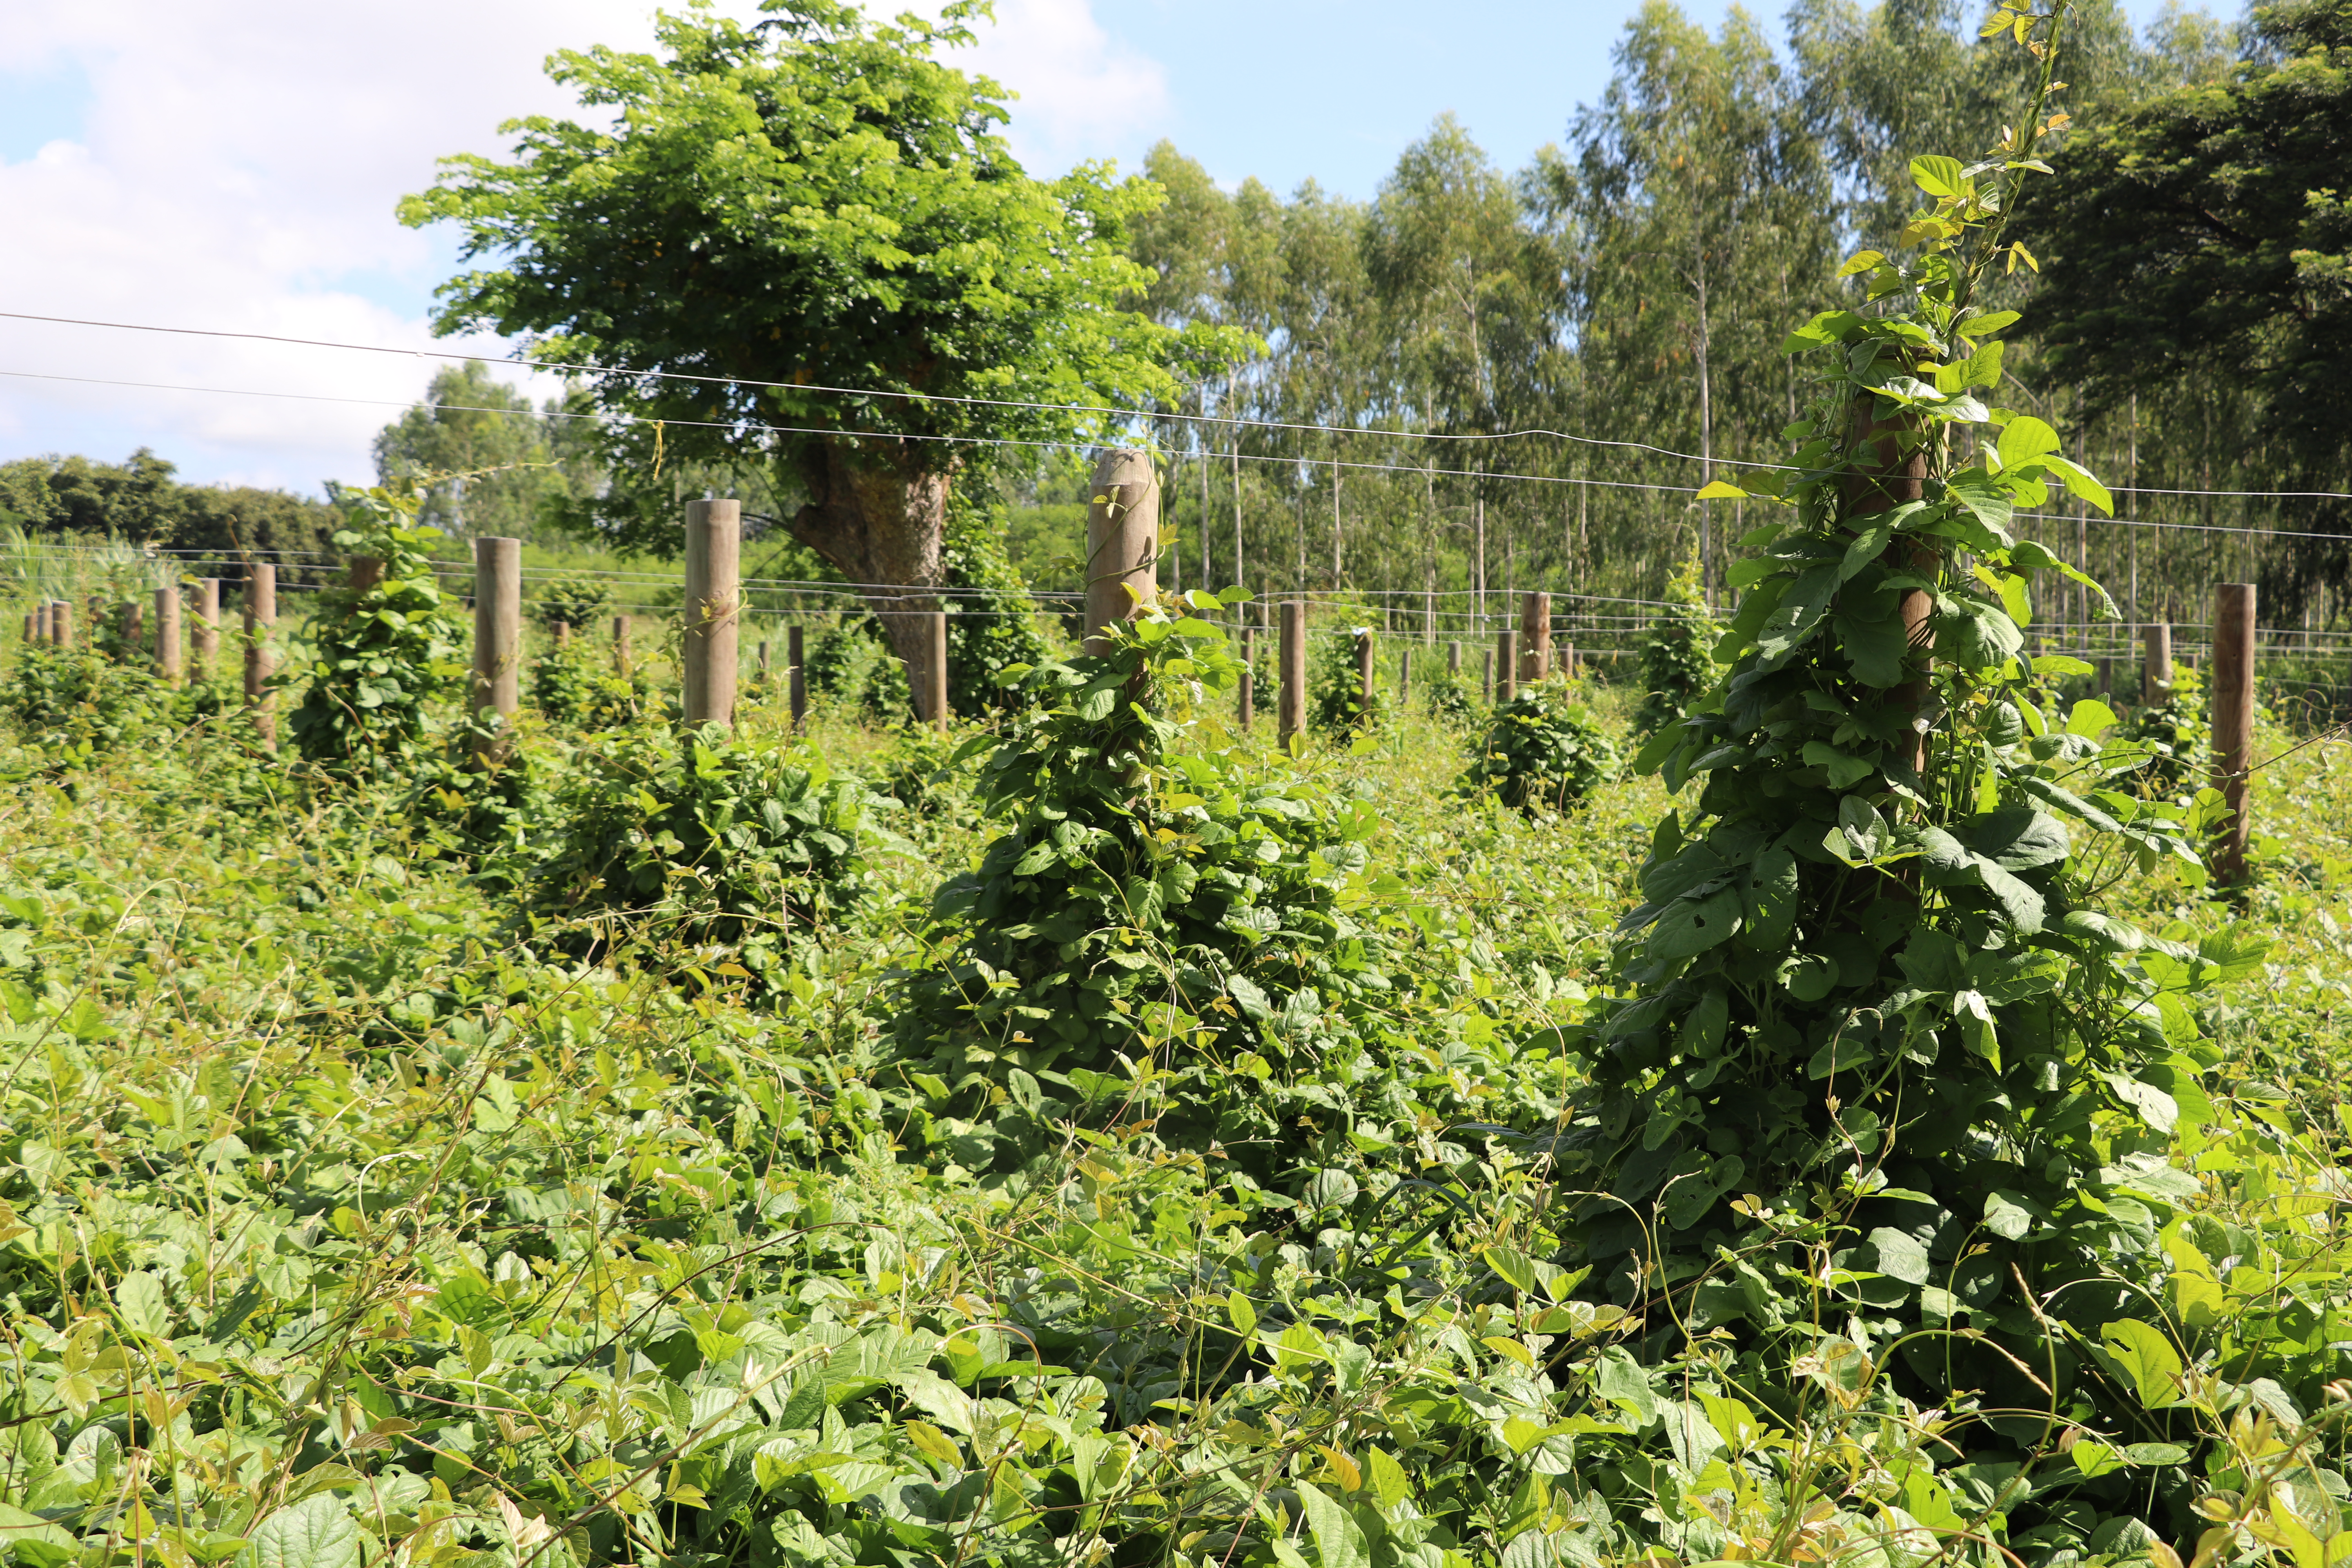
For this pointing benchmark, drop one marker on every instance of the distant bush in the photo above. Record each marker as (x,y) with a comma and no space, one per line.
(1543,751)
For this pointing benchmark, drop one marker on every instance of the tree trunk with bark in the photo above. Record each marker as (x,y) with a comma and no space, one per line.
(877,513)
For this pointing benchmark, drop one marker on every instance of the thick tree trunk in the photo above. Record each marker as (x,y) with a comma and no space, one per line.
(877,513)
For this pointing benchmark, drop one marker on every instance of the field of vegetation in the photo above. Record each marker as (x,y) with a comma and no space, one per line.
(799,1150)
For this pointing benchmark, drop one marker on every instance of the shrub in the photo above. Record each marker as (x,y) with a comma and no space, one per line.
(991,627)
(732,848)
(569,686)
(1885,1108)
(1677,654)
(381,655)
(576,601)
(1544,750)
(76,702)
(1335,691)
(1144,905)
(2175,731)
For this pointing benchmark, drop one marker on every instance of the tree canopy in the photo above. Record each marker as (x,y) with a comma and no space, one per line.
(789,207)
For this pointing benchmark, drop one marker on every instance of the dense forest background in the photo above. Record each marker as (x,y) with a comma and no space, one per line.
(1483,379)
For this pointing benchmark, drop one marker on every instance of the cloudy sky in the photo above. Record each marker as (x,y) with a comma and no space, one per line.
(235,167)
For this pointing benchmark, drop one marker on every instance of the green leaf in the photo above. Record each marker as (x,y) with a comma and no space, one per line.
(1874,648)
(1861,261)
(1900,1256)
(2147,1358)
(1845,772)
(316,1532)
(2023,906)
(2080,481)
(1513,1264)
(2005,1217)
(2156,1107)
(2025,438)
(1941,177)
(1771,903)
(1718,490)
(1690,926)
(1339,1539)
(1241,1314)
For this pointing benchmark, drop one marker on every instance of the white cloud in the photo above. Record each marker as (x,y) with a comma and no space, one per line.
(237,167)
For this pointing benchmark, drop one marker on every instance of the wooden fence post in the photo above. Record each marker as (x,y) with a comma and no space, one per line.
(762,662)
(61,622)
(936,695)
(1568,666)
(132,621)
(561,632)
(797,676)
(1122,540)
(2107,668)
(1404,678)
(365,572)
(260,657)
(2155,664)
(1245,698)
(206,633)
(1365,655)
(714,566)
(2233,724)
(1454,660)
(1535,636)
(1290,703)
(1506,662)
(621,646)
(1486,676)
(498,642)
(40,632)
(167,635)
(28,638)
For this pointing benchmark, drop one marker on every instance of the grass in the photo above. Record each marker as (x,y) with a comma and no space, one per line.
(345,1222)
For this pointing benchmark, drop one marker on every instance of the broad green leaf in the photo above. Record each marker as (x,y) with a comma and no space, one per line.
(1719,490)
(1941,177)
(1874,648)
(2005,1217)
(2025,438)
(1241,1314)
(1900,1256)
(1339,1539)
(316,1532)
(1513,1264)
(2147,1358)
(1861,261)
(2091,718)
(2081,481)
(1690,926)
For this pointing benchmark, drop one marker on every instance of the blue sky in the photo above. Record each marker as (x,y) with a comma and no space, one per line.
(237,168)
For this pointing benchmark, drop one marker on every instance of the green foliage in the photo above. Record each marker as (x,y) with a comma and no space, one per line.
(1876,1055)
(581,603)
(1146,904)
(138,500)
(571,685)
(74,703)
(810,200)
(991,627)
(380,655)
(1677,654)
(732,850)
(488,462)
(1335,703)
(1544,750)
(2175,730)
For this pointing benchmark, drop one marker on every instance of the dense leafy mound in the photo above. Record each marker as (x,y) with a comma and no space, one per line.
(1544,750)
(1148,911)
(1677,654)
(730,850)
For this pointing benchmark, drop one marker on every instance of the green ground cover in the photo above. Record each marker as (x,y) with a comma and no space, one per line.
(373,1195)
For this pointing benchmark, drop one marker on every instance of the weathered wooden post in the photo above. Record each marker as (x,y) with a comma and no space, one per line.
(935,709)
(1487,675)
(797,676)
(1567,660)
(621,646)
(1290,703)
(1122,540)
(365,572)
(1506,662)
(61,622)
(1454,660)
(2233,724)
(1404,678)
(2107,668)
(714,565)
(761,662)
(1245,698)
(1365,655)
(2156,663)
(561,634)
(1535,636)
(167,635)
(133,623)
(205,635)
(28,638)
(498,643)
(260,657)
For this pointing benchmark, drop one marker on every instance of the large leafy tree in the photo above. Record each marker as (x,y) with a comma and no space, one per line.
(806,203)
(2208,236)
